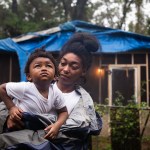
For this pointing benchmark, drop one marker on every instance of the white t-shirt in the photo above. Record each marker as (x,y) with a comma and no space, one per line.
(28,98)
(71,99)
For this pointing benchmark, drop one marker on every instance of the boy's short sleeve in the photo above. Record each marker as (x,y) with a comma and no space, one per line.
(15,89)
(59,101)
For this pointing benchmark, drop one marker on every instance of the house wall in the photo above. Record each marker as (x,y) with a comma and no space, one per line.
(98,84)
(97,80)
(9,67)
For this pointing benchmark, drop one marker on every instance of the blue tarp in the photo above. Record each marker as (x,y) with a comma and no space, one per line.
(112,41)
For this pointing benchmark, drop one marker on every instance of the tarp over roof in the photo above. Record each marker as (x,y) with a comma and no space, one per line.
(112,40)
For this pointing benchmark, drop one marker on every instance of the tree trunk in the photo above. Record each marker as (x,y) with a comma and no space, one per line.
(78,11)
(14,6)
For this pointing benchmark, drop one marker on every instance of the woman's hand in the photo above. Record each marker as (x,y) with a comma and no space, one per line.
(51,131)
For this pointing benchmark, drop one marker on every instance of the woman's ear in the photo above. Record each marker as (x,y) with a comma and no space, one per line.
(83,78)
(83,73)
(29,77)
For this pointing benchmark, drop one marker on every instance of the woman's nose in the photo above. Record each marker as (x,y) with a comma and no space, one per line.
(66,69)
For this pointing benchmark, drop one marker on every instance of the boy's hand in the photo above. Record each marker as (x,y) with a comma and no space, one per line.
(14,124)
(15,113)
(51,131)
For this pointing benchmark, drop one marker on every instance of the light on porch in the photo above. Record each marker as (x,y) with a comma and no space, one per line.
(101,72)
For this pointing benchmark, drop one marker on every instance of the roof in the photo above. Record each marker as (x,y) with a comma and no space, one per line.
(111,40)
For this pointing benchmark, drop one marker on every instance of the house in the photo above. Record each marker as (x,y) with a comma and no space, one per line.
(120,67)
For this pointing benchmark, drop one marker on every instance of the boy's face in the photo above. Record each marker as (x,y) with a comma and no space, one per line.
(41,69)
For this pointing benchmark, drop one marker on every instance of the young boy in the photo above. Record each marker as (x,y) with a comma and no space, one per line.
(38,95)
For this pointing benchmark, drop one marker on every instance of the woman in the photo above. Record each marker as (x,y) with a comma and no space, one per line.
(75,60)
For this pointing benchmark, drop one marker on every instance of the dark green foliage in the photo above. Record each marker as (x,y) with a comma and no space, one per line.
(22,16)
(125,129)
(124,123)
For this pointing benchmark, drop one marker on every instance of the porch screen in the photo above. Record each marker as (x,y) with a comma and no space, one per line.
(123,82)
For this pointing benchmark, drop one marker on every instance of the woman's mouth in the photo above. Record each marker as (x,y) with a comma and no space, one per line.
(64,76)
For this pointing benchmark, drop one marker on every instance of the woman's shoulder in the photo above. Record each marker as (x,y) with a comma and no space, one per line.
(86,97)
(82,91)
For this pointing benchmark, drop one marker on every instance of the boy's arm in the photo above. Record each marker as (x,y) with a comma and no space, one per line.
(54,128)
(5,98)
(62,116)
(13,110)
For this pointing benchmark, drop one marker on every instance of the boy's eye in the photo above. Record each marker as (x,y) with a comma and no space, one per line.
(49,65)
(37,66)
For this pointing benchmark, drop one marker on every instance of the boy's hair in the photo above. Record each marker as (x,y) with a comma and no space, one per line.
(81,44)
(40,52)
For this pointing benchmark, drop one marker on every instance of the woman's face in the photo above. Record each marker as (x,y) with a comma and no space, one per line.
(70,69)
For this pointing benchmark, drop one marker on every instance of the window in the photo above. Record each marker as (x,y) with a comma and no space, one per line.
(125,80)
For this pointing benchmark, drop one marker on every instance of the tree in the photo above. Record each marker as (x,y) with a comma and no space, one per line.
(22,16)
(115,14)
(32,15)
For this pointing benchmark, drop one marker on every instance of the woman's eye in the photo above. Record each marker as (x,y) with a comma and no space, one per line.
(63,63)
(75,67)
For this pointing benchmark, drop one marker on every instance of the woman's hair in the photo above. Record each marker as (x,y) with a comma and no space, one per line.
(41,52)
(81,44)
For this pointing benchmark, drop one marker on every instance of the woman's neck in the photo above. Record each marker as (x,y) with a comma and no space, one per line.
(65,88)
